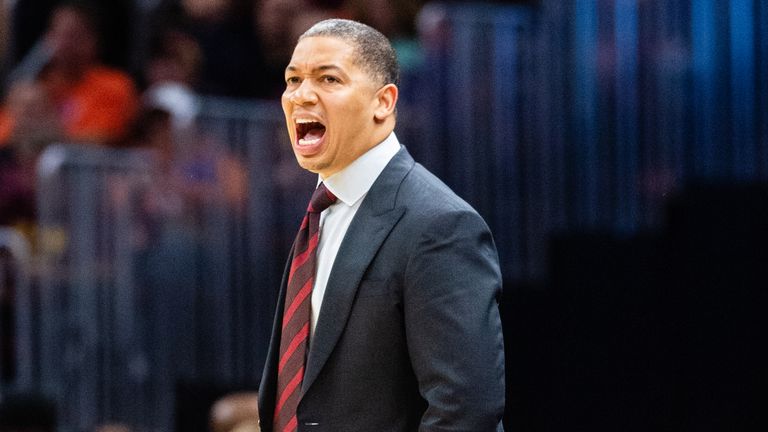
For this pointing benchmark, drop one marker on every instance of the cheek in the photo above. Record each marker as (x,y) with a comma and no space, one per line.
(287,114)
(349,112)
(284,101)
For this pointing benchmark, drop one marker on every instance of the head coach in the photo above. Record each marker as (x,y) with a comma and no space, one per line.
(387,317)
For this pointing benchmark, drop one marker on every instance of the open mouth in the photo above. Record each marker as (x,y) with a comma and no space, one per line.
(309,132)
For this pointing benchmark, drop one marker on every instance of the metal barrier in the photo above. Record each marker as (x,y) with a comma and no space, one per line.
(93,356)
(159,272)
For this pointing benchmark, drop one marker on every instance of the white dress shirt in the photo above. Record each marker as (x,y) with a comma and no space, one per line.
(350,185)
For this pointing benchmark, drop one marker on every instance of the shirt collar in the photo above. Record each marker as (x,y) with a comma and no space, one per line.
(354,181)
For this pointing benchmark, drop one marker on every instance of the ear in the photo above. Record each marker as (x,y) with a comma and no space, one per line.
(386,99)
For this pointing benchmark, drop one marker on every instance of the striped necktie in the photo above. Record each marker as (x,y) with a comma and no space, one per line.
(294,338)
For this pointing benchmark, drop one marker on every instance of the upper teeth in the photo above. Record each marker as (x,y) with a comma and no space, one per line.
(300,121)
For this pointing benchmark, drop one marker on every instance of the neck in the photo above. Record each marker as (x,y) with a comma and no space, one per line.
(382,132)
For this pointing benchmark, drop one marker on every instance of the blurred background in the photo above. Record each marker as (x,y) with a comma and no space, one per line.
(149,196)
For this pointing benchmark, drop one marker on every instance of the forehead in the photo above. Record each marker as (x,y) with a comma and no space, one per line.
(315,51)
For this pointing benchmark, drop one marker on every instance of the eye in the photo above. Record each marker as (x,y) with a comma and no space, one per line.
(330,79)
(292,80)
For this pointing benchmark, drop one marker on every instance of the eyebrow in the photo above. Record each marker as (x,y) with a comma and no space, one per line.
(320,68)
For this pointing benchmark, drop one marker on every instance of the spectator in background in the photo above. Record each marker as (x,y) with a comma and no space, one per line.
(190,176)
(93,103)
(72,98)
(171,75)
(195,166)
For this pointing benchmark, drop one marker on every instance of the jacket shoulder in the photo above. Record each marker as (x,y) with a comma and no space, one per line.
(424,193)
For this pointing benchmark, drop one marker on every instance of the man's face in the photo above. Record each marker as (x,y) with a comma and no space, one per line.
(329,105)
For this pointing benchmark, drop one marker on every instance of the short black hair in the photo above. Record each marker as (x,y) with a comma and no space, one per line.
(375,53)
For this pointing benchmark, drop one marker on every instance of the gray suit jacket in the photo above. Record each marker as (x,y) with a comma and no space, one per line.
(409,336)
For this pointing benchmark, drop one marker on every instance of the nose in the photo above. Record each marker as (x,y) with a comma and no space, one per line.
(303,94)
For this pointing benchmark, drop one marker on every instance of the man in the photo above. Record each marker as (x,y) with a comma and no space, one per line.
(403,330)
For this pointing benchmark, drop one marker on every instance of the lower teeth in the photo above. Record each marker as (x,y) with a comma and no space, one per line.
(303,141)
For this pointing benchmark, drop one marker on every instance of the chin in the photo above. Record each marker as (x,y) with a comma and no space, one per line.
(309,165)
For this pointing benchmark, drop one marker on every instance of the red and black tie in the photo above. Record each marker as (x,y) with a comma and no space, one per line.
(296,313)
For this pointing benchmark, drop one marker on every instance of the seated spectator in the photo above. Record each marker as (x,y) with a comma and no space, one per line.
(92,103)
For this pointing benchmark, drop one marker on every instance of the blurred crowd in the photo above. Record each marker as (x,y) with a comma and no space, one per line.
(130,74)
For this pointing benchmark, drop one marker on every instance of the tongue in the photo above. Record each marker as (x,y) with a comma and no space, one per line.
(315,133)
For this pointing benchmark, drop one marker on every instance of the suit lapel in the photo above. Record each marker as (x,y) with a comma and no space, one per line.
(372,223)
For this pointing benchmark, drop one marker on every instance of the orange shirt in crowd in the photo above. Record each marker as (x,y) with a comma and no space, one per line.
(99,107)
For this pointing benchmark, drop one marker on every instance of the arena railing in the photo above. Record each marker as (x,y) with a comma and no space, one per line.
(156,270)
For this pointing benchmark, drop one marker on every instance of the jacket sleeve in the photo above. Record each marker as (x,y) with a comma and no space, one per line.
(451,291)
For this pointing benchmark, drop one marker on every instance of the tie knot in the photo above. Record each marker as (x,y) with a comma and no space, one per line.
(322,198)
